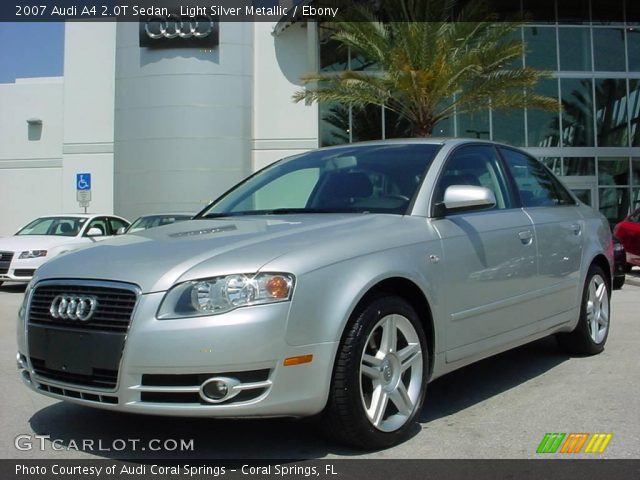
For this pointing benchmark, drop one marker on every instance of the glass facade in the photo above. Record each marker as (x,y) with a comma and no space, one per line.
(592,49)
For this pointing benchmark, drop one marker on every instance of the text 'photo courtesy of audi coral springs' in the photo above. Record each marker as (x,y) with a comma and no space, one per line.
(336,283)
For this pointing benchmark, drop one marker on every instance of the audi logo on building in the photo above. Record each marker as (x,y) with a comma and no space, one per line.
(174,30)
(73,307)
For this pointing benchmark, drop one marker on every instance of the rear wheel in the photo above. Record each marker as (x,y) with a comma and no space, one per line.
(378,383)
(618,283)
(590,335)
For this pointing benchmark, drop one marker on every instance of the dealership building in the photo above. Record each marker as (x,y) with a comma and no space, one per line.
(167,127)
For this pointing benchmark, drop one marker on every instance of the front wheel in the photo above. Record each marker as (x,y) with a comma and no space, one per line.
(590,335)
(379,377)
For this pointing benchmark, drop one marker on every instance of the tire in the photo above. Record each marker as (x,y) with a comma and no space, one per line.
(590,335)
(374,370)
(618,283)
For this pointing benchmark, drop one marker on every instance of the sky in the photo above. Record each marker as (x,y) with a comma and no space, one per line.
(31,50)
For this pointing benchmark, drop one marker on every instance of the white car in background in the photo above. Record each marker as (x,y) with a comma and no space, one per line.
(46,237)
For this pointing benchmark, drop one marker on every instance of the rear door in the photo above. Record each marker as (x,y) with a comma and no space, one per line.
(558,230)
(489,258)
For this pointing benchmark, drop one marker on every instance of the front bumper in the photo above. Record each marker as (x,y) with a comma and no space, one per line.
(21,270)
(165,362)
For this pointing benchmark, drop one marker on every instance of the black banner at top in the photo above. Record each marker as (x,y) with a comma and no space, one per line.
(596,12)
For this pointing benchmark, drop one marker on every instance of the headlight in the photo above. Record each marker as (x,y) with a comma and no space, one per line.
(212,296)
(617,247)
(33,254)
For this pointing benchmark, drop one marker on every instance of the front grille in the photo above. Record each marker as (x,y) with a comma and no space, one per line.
(5,261)
(100,378)
(113,314)
(24,272)
(84,353)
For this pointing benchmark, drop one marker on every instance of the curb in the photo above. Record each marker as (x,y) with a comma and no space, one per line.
(635,281)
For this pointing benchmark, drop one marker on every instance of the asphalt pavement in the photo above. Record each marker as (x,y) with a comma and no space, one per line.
(498,408)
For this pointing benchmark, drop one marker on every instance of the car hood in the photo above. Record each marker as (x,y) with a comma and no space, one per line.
(157,258)
(20,243)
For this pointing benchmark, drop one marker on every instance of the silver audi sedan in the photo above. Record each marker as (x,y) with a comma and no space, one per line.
(336,283)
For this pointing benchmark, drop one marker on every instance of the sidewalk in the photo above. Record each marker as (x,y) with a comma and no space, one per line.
(633,278)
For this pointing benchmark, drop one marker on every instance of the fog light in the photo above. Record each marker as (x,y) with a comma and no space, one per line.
(218,389)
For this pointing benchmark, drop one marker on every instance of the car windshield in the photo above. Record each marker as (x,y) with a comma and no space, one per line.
(60,226)
(355,179)
(150,221)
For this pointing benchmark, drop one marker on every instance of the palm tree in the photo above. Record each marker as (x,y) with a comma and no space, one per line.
(431,63)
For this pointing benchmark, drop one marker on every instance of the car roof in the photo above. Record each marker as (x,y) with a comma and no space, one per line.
(424,140)
(80,215)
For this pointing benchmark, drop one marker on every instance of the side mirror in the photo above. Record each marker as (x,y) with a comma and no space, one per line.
(468,198)
(121,230)
(94,232)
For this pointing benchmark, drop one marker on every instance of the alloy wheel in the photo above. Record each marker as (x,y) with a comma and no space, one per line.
(598,309)
(391,373)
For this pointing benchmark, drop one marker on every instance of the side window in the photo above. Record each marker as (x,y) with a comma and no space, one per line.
(116,223)
(475,165)
(99,223)
(536,185)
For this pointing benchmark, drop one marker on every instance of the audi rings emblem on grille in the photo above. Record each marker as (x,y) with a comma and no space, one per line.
(73,307)
(173,26)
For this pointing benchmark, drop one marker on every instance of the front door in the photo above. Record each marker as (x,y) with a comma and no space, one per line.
(489,259)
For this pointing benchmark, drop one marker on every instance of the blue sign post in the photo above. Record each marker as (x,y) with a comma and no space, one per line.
(83,189)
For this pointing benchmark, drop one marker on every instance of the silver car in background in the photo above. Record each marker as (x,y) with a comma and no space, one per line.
(336,283)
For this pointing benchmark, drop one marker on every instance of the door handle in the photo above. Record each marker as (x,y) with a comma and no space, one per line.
(526,237)
(576,228)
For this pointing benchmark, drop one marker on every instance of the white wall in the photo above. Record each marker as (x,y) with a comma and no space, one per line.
(30,168)
(89,90)
(281,127)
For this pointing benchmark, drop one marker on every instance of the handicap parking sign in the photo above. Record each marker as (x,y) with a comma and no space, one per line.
(83,181)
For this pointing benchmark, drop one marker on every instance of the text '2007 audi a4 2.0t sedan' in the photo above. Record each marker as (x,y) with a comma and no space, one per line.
(335,283)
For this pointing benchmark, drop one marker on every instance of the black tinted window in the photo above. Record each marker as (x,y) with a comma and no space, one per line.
(536,185)
(364,178)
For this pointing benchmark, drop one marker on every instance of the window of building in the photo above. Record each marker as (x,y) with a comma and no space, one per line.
(635,172)
(474,125)
(543,126)
(611,112)
(508,127)
(633,46)
(577,114)
(608,50)
(613,171)
(541,48)
(575,49)
(614,204)
(576,166)
(634,112)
